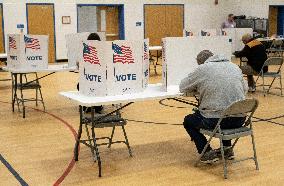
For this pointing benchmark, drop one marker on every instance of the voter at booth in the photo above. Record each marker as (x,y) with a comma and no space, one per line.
(218,83)
(229,23)
(255,53)
(98,109)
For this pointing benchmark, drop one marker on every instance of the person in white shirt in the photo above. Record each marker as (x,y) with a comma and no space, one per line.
(230,23)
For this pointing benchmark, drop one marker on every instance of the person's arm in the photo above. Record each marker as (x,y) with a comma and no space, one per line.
(242,53)
(189,84)
(223,25)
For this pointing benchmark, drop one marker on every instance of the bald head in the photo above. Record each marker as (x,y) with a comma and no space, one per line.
(203,56)
(246,38)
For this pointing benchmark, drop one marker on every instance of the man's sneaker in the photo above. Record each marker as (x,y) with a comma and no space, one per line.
(228,152)
(251,89)
(209,157)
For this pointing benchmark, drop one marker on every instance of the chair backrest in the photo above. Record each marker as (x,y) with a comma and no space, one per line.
(273,61)
(241,107)
(276,43)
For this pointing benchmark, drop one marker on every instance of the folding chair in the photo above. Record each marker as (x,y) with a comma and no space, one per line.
(272,61)
(110,120)
(26,85)
(245,107)
(275,49)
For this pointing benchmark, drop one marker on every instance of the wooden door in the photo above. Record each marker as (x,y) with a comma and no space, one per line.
(273,14)
(174,20)
(2,46)
(111,21)
(155,23)
(163,21)
(41,22)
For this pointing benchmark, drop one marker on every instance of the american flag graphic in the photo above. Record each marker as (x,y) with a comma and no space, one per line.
(32,43)
(90,54)
(146,53)
(122,54)
(12,43)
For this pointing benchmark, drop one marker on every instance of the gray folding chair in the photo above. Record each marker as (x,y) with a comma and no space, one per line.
(276,49)
(23,85)
(275,72)
(245,108)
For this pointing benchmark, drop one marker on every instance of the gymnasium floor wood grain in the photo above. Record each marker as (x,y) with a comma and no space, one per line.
(40,147)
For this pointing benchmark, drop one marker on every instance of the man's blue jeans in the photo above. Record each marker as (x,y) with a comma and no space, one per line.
(194,122)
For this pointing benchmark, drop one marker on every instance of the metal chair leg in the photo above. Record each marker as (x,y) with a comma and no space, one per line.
(22,96)
(90,142)
(271,84)
(223,159)
(126,141)
(254,152)
(281,84)
(111,136)
(263,88)
(41,99)
(36,96)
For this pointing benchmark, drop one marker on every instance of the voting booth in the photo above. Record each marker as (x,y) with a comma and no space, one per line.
(179,55)
(27,52)
(113,68)
(236,35)
(73,47)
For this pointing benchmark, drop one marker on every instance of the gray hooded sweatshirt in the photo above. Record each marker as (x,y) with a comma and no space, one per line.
(218,83)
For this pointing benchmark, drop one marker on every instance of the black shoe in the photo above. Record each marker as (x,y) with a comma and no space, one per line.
(228,153)
(209,157)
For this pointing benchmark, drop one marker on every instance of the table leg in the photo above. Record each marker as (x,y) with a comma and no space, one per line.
(14,89)
(76,149)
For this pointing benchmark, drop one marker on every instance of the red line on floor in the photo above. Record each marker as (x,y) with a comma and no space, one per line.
(72,162)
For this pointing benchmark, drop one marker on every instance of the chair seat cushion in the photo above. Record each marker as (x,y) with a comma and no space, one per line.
(33,85)
(234,131)
(228,133)
(109,121)
(274,74)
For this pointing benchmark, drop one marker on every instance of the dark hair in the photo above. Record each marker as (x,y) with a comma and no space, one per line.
(230,15)
(94,36)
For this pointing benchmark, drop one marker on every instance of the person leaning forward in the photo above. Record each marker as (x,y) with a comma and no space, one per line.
(218,83)
(255,53)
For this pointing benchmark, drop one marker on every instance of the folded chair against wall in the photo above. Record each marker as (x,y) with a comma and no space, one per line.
(246,108)
(274,65)
(23,86)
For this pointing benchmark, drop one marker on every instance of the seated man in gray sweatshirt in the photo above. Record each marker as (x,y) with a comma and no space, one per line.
(218,83)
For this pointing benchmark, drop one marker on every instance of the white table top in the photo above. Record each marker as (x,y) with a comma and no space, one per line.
(269,39)
(153,91)
(155,47)
(51,68)
(3,55)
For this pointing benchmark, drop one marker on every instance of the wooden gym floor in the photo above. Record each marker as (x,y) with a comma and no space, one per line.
(40,148)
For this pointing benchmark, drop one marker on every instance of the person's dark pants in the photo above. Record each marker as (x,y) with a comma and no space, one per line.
(194,122)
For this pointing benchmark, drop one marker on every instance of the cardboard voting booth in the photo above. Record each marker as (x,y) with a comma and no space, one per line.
(125,73)
(73,48)
(27,52)
(179,55)
(113,68)
(146,64)
(236,35)
(93,67)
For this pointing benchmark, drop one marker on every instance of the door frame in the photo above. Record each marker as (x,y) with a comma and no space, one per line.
(54,25)
(159,5)
(121,26)
(4,43)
